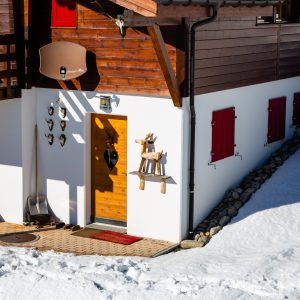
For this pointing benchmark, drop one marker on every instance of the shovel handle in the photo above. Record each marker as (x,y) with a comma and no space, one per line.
(36,161)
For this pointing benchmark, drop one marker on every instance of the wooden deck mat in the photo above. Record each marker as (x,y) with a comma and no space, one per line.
(61,240)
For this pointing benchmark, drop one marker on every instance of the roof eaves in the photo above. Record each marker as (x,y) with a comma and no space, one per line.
(222,2)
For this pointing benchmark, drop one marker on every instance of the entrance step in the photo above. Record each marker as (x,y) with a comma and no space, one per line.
(102,226)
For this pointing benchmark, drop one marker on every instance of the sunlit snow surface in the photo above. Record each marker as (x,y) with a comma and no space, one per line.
(257,256)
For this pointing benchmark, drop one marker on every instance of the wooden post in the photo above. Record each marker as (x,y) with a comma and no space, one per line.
(163,186)
(142,183)
(165,63)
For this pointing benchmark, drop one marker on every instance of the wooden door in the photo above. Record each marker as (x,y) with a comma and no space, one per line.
(109,187)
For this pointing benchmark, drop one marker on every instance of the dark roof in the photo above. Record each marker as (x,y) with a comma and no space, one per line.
(223,2)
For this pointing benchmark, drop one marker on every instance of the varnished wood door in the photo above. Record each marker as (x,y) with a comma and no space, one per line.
(109,187)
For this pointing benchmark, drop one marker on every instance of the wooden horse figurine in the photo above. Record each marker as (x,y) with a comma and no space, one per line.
(146,155)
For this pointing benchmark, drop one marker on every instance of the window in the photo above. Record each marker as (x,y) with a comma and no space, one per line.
(223,127)
(285,12)
(63,13)
(276,119)
(296,110)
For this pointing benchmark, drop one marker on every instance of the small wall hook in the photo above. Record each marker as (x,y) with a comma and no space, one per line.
(63,125)
(63,112)
(50,138)
(237,154)
(213,165)
(50,110)
(62,139)
(50,124)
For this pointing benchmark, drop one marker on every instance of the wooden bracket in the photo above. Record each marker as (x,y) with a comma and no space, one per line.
(165,63)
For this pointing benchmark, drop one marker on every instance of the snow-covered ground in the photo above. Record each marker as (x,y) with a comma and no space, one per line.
(257,256)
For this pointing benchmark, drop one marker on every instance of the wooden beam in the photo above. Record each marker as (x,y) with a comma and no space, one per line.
(133,19)
(146,8)
(165,63)
(181,11)
(243,11)
(137,20)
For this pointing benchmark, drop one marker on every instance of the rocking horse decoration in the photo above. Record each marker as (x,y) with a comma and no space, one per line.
(146,155)
(150,156)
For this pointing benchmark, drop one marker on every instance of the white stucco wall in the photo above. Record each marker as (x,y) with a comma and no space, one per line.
(11,206)
(64,172)
(251,104)
(28,147)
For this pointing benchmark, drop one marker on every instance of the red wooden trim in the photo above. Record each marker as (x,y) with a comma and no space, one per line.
(223,129)
(276,119)
(296,109)
(63,13)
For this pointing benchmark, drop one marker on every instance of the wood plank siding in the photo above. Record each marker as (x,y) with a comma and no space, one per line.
(9,54)
(235,52)
(119,65)
(6,17)
(231,52)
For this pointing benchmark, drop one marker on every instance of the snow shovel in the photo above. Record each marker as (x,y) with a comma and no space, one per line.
(38,203)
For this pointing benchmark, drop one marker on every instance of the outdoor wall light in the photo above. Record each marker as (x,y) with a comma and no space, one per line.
(50,110)
(50,138)
(62,139)
(59,101)
(50,124)
(105,102)
(63,72)
(63,112)
(63,125)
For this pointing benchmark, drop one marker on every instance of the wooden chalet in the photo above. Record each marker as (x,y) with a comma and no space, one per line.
(164,65)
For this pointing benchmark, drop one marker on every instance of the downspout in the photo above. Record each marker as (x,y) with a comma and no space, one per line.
(193,115)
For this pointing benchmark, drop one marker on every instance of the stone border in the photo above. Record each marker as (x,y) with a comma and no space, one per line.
(234,199)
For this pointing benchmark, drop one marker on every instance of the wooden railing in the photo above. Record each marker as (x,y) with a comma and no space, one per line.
(9,83)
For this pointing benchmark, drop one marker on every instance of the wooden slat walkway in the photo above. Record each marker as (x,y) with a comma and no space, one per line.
(61,240)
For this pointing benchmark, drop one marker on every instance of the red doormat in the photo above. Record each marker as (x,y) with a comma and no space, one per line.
(116,237)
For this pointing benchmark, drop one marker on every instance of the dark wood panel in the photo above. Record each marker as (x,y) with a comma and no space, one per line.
(234,84)
(227,78)
(289,53)
(235,68)
(289,46)
(290,30)
(235,59)
(226,43)
(236,33)
(234,51)
(289,38)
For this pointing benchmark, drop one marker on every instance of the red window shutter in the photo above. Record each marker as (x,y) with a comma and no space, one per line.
(223,128)
(296,110)
(64,13)
(276,120)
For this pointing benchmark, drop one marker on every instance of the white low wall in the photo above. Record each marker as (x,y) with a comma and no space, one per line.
(65,172)
(251,107)
(11,206)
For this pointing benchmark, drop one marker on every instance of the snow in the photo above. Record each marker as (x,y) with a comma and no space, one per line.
(255,257)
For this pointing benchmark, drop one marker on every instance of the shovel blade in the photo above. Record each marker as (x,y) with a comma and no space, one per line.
(37,205)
